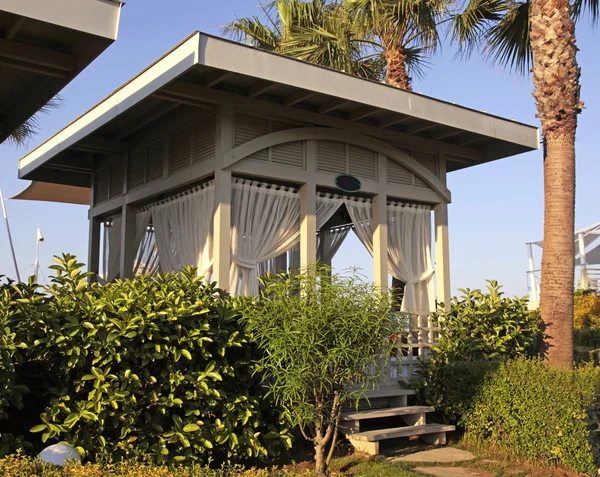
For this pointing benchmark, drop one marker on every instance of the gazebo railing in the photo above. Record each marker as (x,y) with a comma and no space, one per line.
(412,347)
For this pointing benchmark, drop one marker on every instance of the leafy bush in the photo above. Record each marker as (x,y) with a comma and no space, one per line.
(452,387)
(586,345)
(483,326)
(477,331)
(586,309)
(320,334)
(535,412)
(159,366)
(19,466)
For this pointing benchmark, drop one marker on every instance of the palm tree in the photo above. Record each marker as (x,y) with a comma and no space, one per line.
(24,132)
(541,34)
(406,31)
(315,31)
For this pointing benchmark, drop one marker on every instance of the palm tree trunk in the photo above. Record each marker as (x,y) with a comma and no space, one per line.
(556,91)
(397,74)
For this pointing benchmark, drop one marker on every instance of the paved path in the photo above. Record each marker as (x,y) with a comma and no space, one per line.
(442,455)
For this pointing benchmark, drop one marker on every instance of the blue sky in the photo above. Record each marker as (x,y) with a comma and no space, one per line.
(496,207)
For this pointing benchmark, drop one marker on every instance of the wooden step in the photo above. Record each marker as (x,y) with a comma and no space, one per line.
(406,431)
(386,412)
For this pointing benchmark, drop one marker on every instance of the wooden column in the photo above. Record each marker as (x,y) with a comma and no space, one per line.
(222,229)
(222,216)
(442,254)
(308,225)
(93,264)
(380,241)
(128,250)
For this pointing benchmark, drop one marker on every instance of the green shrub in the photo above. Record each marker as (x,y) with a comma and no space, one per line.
(321,335)
(19,466)
(539,413)
(586,309)
(484,326)
(155,366)
(478,330)
(452,387)
(586,343)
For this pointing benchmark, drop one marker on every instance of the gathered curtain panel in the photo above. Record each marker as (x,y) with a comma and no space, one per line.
(329,242)
(409,248)
(146,259)
(327,205)
(182,229)
(265,222)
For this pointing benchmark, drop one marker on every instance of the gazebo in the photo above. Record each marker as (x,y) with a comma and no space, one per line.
(239,161)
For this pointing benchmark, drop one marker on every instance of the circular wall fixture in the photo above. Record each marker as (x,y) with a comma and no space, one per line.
(348,183)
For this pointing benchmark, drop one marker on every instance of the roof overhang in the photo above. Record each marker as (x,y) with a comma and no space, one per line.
(204,69)
(43,46)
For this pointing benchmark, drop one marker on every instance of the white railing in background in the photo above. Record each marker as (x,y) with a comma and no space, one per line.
(412,347)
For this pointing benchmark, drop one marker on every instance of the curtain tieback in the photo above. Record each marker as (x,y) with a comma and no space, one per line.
(425,276)
(244,262)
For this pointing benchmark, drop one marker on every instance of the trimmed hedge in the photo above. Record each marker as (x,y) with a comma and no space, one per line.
(19,466)
(586,346)
(155,366)
(534,412)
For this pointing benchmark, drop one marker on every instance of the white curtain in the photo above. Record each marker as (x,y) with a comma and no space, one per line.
(114,249)
(329,242)
(183,230)
(265,222)
(409,254)
(361,213)
(409,248)
(327,205)
(146,260)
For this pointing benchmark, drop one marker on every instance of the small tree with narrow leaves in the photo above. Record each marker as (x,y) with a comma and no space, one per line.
(325,339)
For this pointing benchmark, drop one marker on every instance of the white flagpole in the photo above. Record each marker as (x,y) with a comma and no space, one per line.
(12,248)
(36,266)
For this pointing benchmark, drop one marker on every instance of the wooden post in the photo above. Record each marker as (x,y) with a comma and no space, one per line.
(222,216)
(442,254)
(127,241)
(308,225)
(533,295)
(222,229)
(94,247)
(380,241)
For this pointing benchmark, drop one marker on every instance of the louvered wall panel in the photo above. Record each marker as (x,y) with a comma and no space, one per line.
(398,174)
(331,157)
(155,160)
(362,163)
(101,185)
(204,139)
(428,160)
(248,128)
(116,179)
(180,149)
(136,171)
(290,154)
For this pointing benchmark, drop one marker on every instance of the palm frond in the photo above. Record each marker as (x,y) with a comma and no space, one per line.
(508,42)
(470,25)
(591,7)
(24,132)
(252,31)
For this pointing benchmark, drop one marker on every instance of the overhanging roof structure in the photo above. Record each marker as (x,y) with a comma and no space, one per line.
(204,70)
(591,244)
(43,46)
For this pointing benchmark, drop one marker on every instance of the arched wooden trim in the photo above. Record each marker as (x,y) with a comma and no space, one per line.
(330,134)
